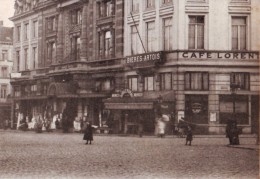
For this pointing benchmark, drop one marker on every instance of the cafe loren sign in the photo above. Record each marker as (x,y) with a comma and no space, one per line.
(218,55)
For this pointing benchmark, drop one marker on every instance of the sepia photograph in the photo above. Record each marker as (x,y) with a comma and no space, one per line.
(140,89)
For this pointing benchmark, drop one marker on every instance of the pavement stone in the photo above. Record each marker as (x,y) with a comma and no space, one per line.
(58,155)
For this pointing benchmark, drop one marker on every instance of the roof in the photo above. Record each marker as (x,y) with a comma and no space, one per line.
(6,34)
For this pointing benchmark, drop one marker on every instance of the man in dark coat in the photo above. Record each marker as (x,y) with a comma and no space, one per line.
(189,136)
(88,134)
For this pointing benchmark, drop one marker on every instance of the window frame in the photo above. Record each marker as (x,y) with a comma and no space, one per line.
(170,34)
(4,55)
(163,81)
(4,90)
(130,82)
(146,83)
(4,72)
(246,17)
(189,74)
(150,42)
(245,76)
(196,25)
(26,58)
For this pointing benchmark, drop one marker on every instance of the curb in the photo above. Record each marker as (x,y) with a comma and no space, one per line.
(244,147)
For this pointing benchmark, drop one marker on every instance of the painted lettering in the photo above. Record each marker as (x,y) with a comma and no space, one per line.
(235,55)
(219,56)
(227,55)
(185,54)
(243,56)
(193,55)
(209,55)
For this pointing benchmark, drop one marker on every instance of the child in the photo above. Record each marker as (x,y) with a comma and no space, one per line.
(189,136)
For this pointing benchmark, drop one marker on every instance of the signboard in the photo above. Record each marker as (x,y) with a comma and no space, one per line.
(144,59)
(213,117)
(219,55)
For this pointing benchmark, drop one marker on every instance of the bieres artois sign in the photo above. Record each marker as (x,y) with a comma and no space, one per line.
(145,59)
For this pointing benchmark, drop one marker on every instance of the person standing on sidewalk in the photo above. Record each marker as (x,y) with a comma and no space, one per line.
(189,136)
(88,133)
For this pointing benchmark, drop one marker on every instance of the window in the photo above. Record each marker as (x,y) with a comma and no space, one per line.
(149,83)
(26,31)
(34,56)
(51,51)
(4,72)
(75,48)
(134,40)
(238,33)
(18,60)
(3,91)
(18,33)
(166,1)
(196,81)
(35,29)
(150,36)
(196,32)
(166,81)
(4,55)
(76,16)
(51,24)
(105,44)
(241,79)
(132,83)
(108,44)
(149,3)
(105,84)
(167,36)
(135,6)
(105,8)
(26,60)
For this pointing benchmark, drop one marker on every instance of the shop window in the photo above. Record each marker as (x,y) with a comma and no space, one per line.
(149,84)
(166,81)
(4,72)
(196,81)
(196,32)
(242,80)
(3,91)
(150,36)
(26,59)
(134,40)
(239,33)
(135,6)
(133,83)
(51,51)
(167,34)
(4,55)
(106,84)
(76,16)
(233,107)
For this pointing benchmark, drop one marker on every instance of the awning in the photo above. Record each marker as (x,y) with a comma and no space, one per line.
(128,103)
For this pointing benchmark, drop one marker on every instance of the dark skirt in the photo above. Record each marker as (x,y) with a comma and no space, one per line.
(88,134)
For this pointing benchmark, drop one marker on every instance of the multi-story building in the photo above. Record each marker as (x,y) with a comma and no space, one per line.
(6,64)
(200,56)
(119,62)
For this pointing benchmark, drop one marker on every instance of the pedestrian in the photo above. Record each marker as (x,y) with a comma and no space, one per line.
(88,133)
(189,136)
(161,127)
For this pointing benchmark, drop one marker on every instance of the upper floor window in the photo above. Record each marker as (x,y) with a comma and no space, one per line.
(135,6)
(108,43)
(4,55)
(26,60)
(76,16)
(26,31)
(238,33)
(134,40)
(18,60)
(149,84)
(151,41)
(4,72)
(167,35)
(150,3)
(166,1)
(105,44)
(106,8)
(51,51)
(104,84)
(242,80)
(197,81)
(133,83)
(34,57)
(196,32)
(165,81)
(18,33)
(51,24)
(35,29)
(3,91)
(75,47)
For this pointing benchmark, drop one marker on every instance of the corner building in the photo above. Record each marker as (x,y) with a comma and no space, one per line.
(67,54)
(207,69)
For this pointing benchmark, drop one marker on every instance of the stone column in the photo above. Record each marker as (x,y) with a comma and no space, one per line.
(84,32)
(60,38)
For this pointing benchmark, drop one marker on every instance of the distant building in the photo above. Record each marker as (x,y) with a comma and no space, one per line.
(6,64)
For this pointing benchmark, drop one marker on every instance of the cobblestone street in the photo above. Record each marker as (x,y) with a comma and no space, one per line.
(58,155)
